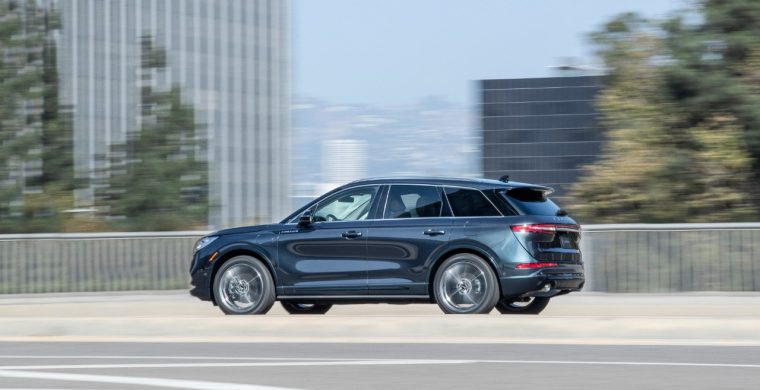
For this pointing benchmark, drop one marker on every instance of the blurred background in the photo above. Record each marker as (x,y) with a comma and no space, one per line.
(186,116)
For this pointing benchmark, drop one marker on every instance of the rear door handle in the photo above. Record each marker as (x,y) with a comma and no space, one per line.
(433,232)
(351,234)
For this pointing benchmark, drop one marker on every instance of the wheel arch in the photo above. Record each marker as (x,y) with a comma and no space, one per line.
(240,250)
(473,250)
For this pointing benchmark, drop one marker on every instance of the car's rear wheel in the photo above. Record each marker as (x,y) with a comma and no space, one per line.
(305,308)
(244,286)
(533,305)
(465,284)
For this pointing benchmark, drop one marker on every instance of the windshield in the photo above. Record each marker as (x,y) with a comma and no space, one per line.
(529,201)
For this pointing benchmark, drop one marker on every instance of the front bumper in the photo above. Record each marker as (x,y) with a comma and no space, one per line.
(201,284)
(560,282)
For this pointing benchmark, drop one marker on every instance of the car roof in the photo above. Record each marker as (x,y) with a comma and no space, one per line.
(477,183)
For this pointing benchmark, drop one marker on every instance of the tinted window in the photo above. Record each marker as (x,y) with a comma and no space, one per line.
(469,203)
(349,205)
(530,202)
(410,201)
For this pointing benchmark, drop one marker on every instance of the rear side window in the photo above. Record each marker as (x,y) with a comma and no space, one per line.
(410,201)
(530,202)
(470,203)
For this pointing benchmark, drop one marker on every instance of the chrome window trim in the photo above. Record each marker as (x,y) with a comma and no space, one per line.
(409,219)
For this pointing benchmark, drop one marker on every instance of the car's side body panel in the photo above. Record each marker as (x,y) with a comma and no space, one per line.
(400,251)
(319,260)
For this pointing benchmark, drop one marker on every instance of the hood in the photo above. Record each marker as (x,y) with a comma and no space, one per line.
(246,229)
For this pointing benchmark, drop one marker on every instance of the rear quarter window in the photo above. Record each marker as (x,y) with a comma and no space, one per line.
(470,203)
(528,201)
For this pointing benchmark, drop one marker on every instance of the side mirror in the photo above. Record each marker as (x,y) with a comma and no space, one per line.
(306,219)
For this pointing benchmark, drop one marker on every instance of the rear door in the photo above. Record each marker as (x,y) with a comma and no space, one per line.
(400,246)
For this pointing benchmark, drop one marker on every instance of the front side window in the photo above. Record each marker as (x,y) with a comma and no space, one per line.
(470,203)
(349,205)
(411,201)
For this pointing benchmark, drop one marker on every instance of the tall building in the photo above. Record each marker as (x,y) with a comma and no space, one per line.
(539,130)
(231,60)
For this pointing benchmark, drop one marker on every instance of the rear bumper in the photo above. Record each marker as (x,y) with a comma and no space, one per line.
(534,284)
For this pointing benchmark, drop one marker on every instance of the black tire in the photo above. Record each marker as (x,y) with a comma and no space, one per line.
(535,306)
(244,278)
(468,279)
(305,308)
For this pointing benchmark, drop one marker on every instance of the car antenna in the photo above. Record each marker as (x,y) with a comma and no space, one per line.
(504,178)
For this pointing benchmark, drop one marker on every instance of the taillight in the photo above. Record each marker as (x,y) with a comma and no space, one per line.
(536,265)
(544,228)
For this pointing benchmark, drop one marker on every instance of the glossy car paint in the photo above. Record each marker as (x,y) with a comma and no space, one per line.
(320,260)
(402,251)
(388,259)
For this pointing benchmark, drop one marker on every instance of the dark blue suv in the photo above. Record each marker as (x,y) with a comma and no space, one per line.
(468,245)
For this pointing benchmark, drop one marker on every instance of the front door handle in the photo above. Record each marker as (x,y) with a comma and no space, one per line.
(351,234)
(433,232)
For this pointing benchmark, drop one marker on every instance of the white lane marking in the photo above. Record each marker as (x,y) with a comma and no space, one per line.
(248,364)
(368,362)
(614,363)
(141,381)
(148,357)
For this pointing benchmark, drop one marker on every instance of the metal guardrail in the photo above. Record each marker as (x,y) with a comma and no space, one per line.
(619,258)
(672,257)
(45,263)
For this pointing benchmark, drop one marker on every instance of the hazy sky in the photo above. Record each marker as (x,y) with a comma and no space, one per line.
(394,52)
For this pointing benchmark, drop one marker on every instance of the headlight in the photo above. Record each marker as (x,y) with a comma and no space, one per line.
(203,242)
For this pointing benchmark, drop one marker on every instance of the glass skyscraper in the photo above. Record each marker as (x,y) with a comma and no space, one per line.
(539,130)
(230,58)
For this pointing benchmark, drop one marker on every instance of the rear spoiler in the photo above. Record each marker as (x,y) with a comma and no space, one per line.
(546,190)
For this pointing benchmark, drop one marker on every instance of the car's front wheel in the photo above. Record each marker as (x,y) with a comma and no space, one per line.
(305,308)
(532,305)
(465,284)
(243,285)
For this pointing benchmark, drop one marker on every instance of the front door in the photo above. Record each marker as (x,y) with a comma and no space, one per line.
(328,257)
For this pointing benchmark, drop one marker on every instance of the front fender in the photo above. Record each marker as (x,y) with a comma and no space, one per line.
(261,245)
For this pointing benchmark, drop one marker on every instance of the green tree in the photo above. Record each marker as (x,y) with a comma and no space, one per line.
(157,179)
(715,69)
(46,211)
(35,139)
(668,156)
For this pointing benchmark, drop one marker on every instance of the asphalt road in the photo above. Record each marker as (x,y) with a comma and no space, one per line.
(155,340)
(63,365)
